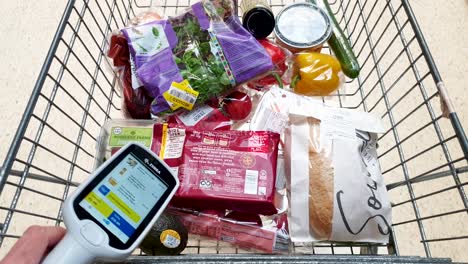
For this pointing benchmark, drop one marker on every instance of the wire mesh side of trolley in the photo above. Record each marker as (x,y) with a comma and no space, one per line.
(53,150)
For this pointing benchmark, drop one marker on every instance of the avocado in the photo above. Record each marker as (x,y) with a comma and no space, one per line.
(167,237)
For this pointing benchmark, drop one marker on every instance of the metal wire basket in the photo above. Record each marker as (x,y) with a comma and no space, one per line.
(54,147)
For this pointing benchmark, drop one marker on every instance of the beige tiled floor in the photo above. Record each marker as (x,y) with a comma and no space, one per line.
(27,28)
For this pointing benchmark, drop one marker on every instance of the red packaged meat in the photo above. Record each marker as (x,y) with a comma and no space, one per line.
(233,170)
(270,235)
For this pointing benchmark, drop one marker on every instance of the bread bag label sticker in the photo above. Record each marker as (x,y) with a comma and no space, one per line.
(170,238)
(121,136)
(181,95)
(336,124)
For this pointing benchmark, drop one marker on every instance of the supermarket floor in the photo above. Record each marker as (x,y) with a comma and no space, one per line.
(27,28)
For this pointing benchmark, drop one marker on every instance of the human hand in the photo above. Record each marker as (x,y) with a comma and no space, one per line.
(34,245)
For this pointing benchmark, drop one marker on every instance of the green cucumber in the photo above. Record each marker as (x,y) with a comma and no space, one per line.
(339,44)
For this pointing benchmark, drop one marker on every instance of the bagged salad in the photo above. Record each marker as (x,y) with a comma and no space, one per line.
(184,61)
(136,102)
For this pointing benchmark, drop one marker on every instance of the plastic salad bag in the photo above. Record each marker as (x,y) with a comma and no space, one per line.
(136,101)
(186,60)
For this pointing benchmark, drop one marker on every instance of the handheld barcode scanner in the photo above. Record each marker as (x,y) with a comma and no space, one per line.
(112,211)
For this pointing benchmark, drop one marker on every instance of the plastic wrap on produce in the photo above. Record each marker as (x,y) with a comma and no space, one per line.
(184,61)
(233,170)
(136,102)
(253,232)
(335,184)
(279,75)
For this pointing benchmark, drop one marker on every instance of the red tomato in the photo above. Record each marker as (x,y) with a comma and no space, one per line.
(237,105)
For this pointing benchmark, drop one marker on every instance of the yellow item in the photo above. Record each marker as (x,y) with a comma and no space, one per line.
(318,73)
(123,207)
(93,199)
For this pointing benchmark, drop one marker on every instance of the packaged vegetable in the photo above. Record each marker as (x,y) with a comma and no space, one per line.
(280,58)
(334,180)
(218,114)
(316,74)
(136,102)
(266,233)
(116,133)
(220,170)
(186,60)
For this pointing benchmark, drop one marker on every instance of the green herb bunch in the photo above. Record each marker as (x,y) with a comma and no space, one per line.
(196,62)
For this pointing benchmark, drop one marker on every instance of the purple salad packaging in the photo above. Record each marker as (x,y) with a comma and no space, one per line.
(186,60)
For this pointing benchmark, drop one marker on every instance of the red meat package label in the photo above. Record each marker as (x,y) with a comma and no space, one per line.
(220,169)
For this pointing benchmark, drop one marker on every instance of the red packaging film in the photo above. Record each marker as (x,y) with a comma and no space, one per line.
(220,170)
(272,238)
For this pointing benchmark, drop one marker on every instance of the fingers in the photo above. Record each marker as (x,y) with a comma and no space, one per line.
(54,234)
(30,248)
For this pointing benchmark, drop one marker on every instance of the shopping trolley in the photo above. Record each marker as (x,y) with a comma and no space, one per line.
(423,154)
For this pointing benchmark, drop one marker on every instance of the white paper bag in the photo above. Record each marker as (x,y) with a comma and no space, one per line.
(347,192)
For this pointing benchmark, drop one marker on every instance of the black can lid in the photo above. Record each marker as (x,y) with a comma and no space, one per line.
(259,21)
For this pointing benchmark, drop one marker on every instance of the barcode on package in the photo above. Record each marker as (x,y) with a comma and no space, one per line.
(171,242)
(251,182)
(193,117)
(183,96)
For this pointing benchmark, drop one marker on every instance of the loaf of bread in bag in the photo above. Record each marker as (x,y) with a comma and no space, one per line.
(320,184)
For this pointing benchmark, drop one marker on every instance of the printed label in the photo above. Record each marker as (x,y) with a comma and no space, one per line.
(148,40)
(181,95)
(175,170)
(251,182)
(135,82)
(193,117)
(219,54)
(270,120)
(336,124)
(172,143)
(369,154)
(280,171)
(170,238)
(121,136)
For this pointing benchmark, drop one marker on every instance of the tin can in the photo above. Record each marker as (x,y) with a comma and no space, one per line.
(302,26)
(257,18)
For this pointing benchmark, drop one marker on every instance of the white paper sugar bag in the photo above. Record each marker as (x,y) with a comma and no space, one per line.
(334,180)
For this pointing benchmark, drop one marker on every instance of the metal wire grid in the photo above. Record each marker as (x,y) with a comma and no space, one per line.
(76,92)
